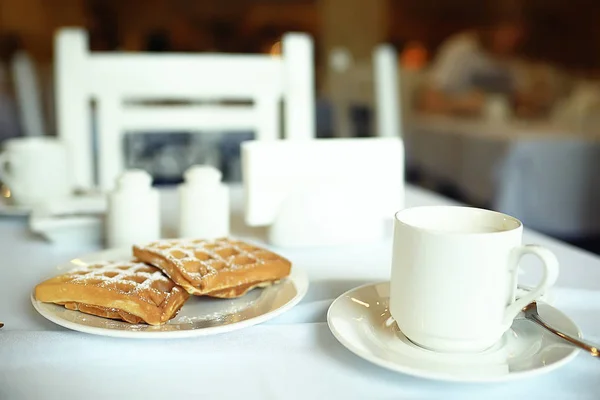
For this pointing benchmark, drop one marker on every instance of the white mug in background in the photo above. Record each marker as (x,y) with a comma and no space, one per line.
(454,276)
(35,170)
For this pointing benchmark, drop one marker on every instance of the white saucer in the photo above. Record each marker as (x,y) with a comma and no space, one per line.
(198,317)
(358,320)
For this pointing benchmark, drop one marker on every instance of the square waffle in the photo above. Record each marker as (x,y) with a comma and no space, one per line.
(130,291)
(222,268)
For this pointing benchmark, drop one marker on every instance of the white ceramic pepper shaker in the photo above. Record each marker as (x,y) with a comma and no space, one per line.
(133,210)
(203,204)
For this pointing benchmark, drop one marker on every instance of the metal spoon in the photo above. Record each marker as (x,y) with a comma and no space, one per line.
(530,312)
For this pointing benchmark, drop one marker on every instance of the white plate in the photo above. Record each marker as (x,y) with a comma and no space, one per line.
(358,320)
(198,317)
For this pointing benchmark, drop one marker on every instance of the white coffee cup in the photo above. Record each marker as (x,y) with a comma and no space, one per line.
(454,276)
(35,170)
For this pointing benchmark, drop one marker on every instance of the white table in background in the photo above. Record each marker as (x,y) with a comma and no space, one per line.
(466,151)
(293,356)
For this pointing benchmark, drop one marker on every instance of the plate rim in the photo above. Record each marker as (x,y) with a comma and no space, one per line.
(425,374)
(298,277)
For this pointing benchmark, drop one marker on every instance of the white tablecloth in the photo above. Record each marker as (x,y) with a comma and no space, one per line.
(293,356)
(466,152)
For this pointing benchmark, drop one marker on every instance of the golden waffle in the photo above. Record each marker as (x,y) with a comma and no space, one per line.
(130,291)
(222,268)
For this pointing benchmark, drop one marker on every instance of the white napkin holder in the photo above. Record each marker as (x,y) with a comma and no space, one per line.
(324,217)
(323,191)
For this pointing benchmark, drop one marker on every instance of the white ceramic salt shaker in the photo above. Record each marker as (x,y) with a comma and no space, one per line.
(133,210)
(203,204)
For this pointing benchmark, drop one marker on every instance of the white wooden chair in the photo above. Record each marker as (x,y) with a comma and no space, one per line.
(114,78)
(387,92)
(374,84)
(27,90)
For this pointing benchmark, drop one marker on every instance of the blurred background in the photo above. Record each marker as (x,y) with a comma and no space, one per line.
(478,82)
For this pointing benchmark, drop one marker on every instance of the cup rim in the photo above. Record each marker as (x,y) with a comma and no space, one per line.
(516,221)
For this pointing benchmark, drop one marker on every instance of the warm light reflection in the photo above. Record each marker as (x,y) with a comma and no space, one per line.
(389,322)
(78,262)
(414,56)
(275,48)
(5,191)
(362,303)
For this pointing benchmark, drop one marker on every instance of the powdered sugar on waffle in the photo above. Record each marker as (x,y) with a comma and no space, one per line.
(133,278)
(204,258)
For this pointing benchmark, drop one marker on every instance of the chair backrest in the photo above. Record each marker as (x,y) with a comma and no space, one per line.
(552,185)
(116,78)
(387,92)
(346,87)
(373,84)
(28,94)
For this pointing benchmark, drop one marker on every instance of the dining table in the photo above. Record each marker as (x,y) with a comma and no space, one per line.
(467,152)
(293,356)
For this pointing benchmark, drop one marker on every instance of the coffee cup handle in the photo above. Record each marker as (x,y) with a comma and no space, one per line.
(548,279)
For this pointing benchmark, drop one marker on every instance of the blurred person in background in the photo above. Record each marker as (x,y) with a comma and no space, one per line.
(475,64)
